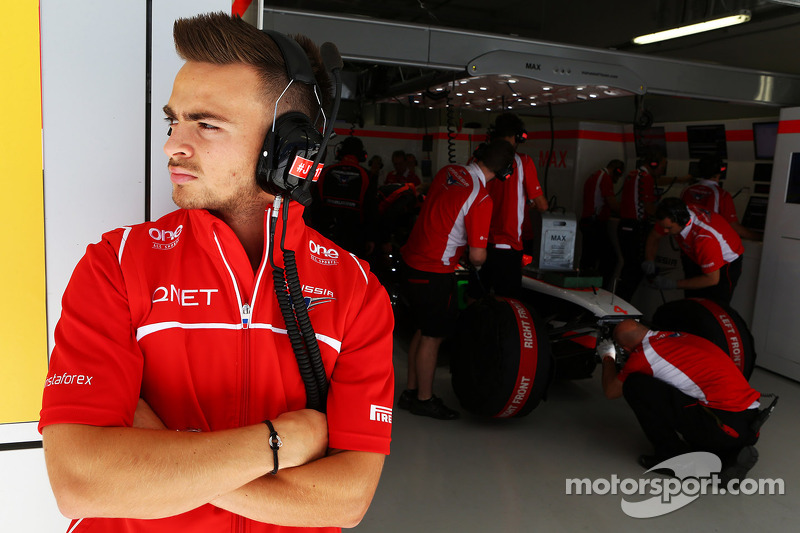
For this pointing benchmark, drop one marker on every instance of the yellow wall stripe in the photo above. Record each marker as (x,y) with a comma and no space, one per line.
(23,321)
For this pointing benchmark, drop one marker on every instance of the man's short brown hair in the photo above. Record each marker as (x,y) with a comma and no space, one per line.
(222,39)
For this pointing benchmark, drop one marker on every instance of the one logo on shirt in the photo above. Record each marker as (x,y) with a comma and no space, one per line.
(68,379)
(165,239)
(184,297)
(322,255)
(455,178)
(379,413)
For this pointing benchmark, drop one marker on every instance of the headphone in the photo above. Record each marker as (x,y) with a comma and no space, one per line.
(505,172)
(293,147)
(617,167)
(352,146)
(519,131)
(502,175)
(711,165)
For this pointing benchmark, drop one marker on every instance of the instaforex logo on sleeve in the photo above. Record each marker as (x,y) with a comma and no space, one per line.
(68,379)
(695,474)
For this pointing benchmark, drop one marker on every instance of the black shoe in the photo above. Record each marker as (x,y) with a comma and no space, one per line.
(434,408)
(745,460)
(406,398)
(649,461)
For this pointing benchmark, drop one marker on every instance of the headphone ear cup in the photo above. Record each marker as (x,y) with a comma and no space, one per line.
(293,136)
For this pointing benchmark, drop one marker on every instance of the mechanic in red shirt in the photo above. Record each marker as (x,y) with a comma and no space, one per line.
(174,400)
(687,394)
(455,215)
(403,172)
(345,206)
(511,197)
(637,205)
(711,252)
(708,194)
(599,205)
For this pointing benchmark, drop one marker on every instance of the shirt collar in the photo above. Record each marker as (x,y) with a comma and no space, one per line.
(476,171)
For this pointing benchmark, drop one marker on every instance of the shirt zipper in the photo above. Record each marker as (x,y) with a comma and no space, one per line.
(245,315)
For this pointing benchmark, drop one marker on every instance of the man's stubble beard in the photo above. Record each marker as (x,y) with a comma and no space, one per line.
(243,200)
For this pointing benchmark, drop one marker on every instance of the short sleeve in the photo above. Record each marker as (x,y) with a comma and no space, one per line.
(361,392)
(95,371)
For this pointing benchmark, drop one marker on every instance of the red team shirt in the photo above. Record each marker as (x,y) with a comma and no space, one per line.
(708,240)
(595,190)
(695,366)
(408,177)
(172,311)
(708,195)
(456,212)
(639,188)
(510,198)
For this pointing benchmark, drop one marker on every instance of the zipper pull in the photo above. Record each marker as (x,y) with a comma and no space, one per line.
(246,315)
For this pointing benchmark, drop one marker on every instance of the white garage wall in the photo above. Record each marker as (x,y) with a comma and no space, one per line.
(94,138)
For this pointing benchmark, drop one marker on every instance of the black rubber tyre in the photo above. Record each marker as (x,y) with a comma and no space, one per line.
(714,321)
(500,358)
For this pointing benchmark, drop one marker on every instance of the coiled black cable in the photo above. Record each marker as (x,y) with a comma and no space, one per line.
(451,134)
(303,321)
(295,337)
(316,393)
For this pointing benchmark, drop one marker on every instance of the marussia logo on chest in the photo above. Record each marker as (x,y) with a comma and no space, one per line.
(311,303)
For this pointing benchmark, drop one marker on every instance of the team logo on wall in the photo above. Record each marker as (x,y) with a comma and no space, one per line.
(165,239)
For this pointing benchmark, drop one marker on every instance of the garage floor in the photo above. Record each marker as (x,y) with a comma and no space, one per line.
(479,475)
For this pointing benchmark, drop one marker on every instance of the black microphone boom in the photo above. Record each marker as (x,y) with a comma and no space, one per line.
(334,64)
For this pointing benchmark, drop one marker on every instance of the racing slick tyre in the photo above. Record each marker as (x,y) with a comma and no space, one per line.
(500,360)
(713,321)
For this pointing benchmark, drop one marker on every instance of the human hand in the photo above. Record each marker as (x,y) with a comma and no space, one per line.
(304,434)
(662,283)
(606,348)
(146,418)
(649,268)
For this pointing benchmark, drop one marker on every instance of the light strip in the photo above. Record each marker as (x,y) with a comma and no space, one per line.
(730,20)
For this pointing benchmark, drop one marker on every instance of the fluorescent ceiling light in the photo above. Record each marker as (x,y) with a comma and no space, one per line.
(730,20)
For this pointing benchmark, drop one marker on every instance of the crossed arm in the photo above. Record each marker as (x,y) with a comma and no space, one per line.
(148,471)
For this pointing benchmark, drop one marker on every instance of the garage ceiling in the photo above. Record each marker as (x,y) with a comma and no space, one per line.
(766,43)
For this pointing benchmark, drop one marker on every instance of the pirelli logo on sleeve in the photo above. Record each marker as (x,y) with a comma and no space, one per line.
(379,413)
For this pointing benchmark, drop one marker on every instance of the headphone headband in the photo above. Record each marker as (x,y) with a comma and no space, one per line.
(298,67)
(292,149)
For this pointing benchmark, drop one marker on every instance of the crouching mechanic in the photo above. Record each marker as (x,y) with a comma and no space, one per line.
(711,251)
(183,407)
(455,214)
(687,395)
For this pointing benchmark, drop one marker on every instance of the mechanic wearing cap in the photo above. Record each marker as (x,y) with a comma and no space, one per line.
(455,214)
(711,252)
(345,206)
(599,205)
(511,198)
(708,194)
(687,395)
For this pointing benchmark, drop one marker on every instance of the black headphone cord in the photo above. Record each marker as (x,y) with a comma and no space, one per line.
(303,321)
(313,399)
